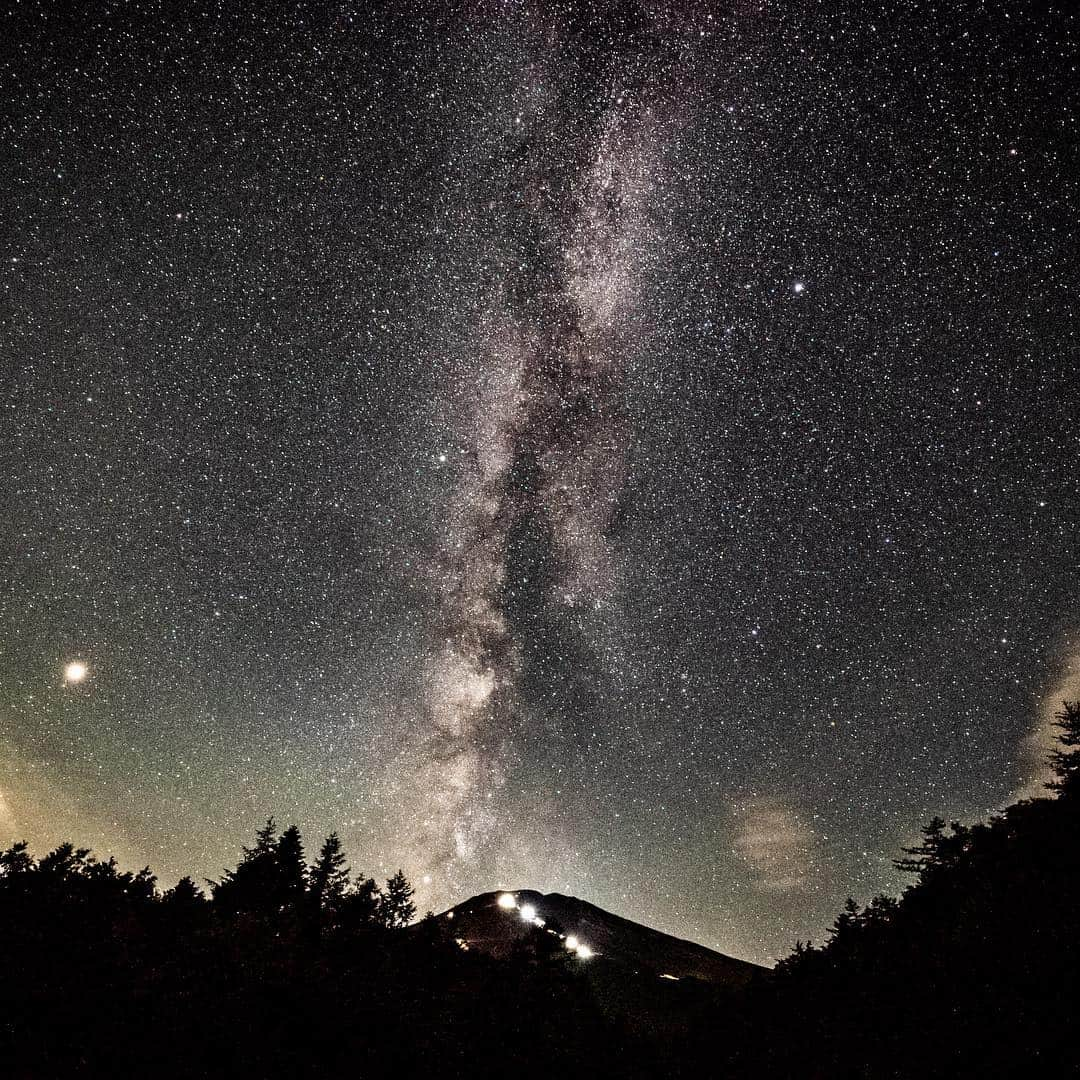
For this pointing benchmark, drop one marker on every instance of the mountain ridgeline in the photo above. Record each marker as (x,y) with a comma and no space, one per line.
(298,969)
(500,923)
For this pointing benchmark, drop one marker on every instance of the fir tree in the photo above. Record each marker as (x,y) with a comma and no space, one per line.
(264,840)
(396,908)
(291,869)
(1065,763)
(844,932)
(329,876)
(924,856)
(362,905)
(253,885)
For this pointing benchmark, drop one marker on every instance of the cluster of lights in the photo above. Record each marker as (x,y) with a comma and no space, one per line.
(527,913)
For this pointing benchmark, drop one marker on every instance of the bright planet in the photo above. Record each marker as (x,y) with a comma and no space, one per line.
(75,672)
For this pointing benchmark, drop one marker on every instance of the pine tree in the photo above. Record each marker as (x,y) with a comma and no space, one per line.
(805,958)
(396,908)
(1066,763)
(329,876)
(142,886)
(926,855)
(291,869)
(264,841)
(843,931)
(361,906)
(254,884)
(881,911)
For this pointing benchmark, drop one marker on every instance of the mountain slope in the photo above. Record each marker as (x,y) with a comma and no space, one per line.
(498,922)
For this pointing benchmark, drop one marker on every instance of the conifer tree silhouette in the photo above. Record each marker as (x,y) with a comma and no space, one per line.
(396,908)
(328,878)
(1065,763)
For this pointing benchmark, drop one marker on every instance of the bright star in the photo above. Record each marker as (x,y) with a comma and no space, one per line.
(76,671)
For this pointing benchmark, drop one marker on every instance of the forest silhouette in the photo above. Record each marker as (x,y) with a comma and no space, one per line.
(286,968)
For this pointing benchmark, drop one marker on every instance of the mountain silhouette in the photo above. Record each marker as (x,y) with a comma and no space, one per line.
(498,923)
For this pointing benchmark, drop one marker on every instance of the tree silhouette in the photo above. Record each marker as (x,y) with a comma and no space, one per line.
(847,924)
(290,870)
(1065,763)
(64,860)
(257,884)
(923,856)
(16,860)
(328,878)
(360,906)
(396,908)
(184,894)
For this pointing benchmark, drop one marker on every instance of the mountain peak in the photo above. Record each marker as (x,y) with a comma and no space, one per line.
(498,922)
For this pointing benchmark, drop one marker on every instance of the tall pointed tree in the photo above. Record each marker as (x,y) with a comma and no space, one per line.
(328,878)
(924,856)
(253,885)
(1065,762)
(361,905)
(396,908)
(291,869)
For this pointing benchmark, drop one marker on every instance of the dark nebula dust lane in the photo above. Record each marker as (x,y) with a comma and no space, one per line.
(617,449)
(547,438)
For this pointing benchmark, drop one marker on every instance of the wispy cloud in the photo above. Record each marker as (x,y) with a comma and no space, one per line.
(775,843)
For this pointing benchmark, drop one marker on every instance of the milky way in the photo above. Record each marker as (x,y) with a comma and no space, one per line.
(546,442)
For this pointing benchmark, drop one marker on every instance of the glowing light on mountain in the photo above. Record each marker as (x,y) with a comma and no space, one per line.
(528,914)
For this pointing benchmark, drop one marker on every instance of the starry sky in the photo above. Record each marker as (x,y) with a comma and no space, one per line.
(625,449)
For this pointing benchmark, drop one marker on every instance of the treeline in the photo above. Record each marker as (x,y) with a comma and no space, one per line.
(283,969)
(272,881)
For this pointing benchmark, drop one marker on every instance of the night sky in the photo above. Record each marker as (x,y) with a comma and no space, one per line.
(625,450)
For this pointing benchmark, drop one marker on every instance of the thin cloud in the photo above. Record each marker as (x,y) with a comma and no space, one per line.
(776,844)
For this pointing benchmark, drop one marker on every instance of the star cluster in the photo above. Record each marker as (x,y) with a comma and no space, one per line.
(609,448)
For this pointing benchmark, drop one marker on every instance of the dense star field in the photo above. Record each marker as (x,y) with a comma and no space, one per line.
(627,450)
